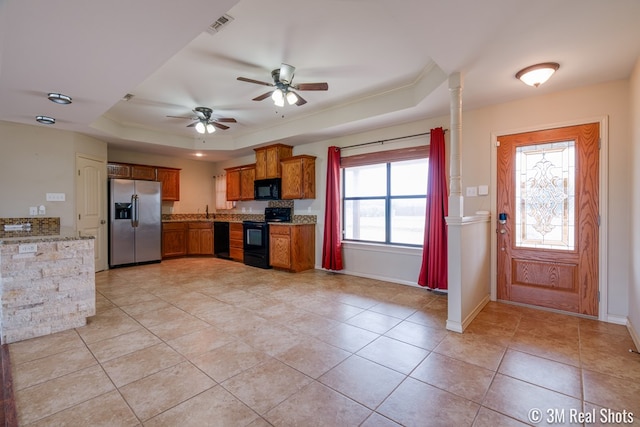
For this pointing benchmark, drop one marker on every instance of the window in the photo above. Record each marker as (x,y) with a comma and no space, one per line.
(385,201)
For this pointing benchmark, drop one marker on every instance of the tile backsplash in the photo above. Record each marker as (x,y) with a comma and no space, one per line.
(39,227)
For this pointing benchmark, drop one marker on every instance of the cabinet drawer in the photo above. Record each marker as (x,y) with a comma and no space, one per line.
(280,229)
(174,225)
(236,253)
(203,224)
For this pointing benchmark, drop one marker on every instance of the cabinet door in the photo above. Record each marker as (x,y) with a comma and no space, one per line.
(174,240)
(193,241)
(299,177)
(170,179)
(247,177)
(261,163)
(233,185)
(118,170)
(147,173)
(292,179)
(206,241)
(280,250)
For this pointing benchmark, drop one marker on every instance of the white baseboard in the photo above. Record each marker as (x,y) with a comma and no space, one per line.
(467,321)
(374,277)
(634,335)
(460,327)
(618,320)
(454,326)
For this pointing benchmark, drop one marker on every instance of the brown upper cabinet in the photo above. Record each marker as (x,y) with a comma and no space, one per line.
(240,182)
(268,160)
(299,177)
(169,177)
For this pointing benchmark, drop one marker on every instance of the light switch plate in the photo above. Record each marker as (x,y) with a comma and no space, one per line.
(483,190)
(56,197)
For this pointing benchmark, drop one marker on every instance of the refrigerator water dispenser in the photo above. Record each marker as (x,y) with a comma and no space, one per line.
(123,211)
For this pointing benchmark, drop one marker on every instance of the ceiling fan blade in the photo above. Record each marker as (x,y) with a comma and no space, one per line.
(312,86)
(182,117)
(263,96)
(193,124)
(258,82)
(226,120)
(219,125)
(301,100)
(286,73)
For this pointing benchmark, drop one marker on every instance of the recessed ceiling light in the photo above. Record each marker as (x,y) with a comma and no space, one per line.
(199,155)
(45,120)
(59,98)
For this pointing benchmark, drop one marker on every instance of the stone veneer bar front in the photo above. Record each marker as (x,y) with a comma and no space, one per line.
(46,291)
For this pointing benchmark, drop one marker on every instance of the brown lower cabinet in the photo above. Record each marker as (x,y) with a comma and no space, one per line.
(236,249)
(187,238)
(200,238)
(174,239)
(292,247)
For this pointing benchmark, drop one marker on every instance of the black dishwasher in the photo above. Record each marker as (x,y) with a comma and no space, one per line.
(221,239)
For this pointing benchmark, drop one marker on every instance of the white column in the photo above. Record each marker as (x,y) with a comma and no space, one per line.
(454,219)
(456,202)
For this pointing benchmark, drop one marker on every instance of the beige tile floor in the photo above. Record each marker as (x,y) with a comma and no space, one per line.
(208,342)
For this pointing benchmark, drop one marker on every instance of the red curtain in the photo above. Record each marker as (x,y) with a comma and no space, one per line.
(433,271)
(332,246)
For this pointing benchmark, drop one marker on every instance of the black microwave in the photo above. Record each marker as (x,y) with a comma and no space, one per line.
(266,189)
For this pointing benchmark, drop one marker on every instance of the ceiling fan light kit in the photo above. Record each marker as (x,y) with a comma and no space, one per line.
(204,123)
(535,75)
(284,88)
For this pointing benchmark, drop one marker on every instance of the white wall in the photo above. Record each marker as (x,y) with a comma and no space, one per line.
(634,283)
(583,104)
(37,160)
(196,180)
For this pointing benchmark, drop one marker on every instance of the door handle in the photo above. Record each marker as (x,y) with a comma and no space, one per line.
(134,208)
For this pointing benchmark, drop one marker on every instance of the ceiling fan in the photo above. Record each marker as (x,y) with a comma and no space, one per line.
(204,123)
(282,82)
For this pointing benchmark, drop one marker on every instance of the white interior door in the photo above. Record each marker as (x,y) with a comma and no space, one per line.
(91,182)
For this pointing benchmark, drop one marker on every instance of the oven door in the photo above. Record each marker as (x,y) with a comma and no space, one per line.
(256,244)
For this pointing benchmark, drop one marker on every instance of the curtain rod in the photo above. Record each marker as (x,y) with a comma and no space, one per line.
(382,141)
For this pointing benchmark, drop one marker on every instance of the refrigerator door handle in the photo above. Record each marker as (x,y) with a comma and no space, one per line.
(135,220)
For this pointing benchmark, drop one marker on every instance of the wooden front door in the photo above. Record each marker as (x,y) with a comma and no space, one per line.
(548,184)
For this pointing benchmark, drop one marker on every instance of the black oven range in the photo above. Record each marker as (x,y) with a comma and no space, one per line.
(256,236)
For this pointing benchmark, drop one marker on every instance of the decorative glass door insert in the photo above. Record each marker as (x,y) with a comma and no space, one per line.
(545,196)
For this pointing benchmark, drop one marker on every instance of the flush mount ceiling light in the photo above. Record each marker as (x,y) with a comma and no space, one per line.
(45,120)
(59,98)
(204,127)
(537,74)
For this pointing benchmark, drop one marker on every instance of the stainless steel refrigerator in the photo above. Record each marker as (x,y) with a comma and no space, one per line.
(135,221)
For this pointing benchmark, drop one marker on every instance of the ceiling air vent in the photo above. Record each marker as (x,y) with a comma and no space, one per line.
(220,23)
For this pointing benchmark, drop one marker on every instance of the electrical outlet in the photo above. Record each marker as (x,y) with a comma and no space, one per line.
(472,191)
(27,248)
(33,210)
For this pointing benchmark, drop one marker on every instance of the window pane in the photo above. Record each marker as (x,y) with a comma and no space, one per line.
(409,177)
(365,181)
(364,220)
(545,196)
(407,221)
